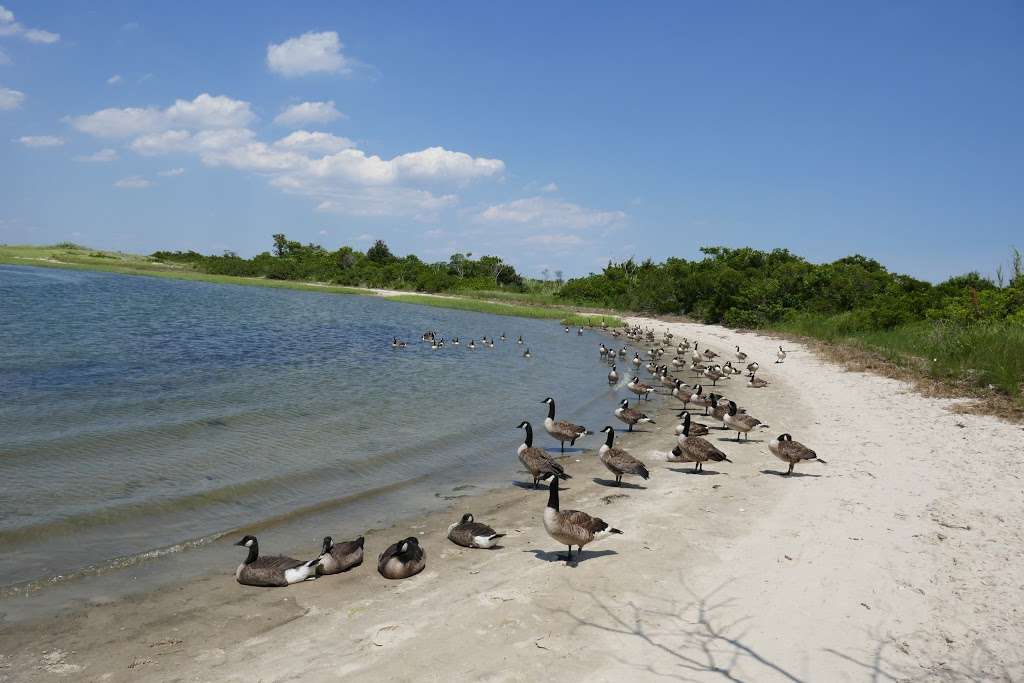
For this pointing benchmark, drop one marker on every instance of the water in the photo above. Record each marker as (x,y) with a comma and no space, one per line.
(142,419)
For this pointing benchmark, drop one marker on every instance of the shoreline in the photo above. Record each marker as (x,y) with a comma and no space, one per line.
(843,572)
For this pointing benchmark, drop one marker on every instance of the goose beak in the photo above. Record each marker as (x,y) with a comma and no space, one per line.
(241,543)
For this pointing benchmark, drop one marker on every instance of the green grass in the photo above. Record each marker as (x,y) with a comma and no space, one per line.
(976,355)
(563,315)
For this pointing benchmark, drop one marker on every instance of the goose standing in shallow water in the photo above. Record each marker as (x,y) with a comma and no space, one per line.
(630,416)
(336,558)
(561,431)
(613,376)
(470,534)
(536,460)
(271,570)
(740,422)
(402,559)
(618,461)
(694,449)
(572,527)
(792,452)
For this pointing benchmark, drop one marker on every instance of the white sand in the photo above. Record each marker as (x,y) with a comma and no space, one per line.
(901,559)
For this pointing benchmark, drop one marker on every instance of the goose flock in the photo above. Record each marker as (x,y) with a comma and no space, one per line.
(571,528)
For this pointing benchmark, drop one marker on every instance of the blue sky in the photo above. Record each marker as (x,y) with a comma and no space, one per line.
(557,135)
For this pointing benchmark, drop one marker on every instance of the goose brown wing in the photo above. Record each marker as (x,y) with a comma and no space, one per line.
(701,449)
(536,460)
(476,529)
(275,563)
(748,421)
(624,462)
(794,450)
(582,522)
(569,427)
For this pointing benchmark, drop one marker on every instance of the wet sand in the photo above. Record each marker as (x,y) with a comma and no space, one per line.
(898,560)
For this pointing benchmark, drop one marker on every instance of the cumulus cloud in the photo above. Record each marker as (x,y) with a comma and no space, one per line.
(438,163)
(308,112)
(309,53)
(172,172)
(550,187)
(133,183)
(10,27)
(546,212)
(384,201)
(314,142)
(10,98)
(102,156)
(114,80)
(40,140)
(205,111)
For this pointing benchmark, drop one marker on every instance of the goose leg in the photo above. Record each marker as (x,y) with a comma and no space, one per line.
(790,470)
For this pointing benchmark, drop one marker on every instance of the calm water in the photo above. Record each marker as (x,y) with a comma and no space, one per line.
(142,419)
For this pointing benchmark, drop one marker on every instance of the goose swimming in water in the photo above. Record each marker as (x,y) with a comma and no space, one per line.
(396,344)
(502,336)
(472,344)
(470,534)
(336,558)
(692,448)
(537,462)
(402,559)
(618,461)
(526,354)
(520,340)
(561,431)
(792,452)
(630,416)
(739,422)
(572,527)
(271,570)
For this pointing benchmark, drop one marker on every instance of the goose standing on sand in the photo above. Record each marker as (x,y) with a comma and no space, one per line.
(470,534)
(630,416)
(691,448)
(271,570)
(640,389)
(539,464)
(740,355)
(752,367)
(561,431)
(613,376)
(402,559)
(682,392)
(336,558)
(714,373)
(787,450)
(740,422)
(691,428)
(572,527)
(698,398)
(755,382)
(780,356)
(618,461)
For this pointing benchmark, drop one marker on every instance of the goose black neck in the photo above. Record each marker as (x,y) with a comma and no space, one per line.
(529,435)
(551,410)
(254,552)
(553,494)
(686,425)
(610,438)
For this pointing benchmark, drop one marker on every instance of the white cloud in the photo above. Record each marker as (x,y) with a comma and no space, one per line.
(314,142)
(133,183)
(114,80)
(309,53)
(40,140)
(545,212)
(10,27)
(323,232)
(205,111)
(101,156)
(438,163)
(308,112)
(385,201)
(10,99)
(171,172)
(550,187)
(556,240)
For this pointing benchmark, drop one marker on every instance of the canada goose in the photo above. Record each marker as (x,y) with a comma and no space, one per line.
(472,344)
(740,355)
(691,448)
(731,369)
(526,354)
(755,382)
(536,460)
(787,450)
(434,345)
(427,336)
(695,428)
(695,356)
(340,557)
(682,392)
(396,344)
(502,336)
(780,356)
(719,409)
(739,422)
(520,340)
(271,570)
(618,461)
(666,379)
(567,330)
(561,431)
(640,389)
(603,351)
(714,373)
(630,416)
(470,534)
(709,354)
(572,527)
(698,398)
(402,559)
(579,332)
(613,375)
(622,352)
(636,359)
(455,341)
(752,367)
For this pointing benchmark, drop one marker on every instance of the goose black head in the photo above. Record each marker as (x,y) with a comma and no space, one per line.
(328,544)
(785,437)
(733,407)
(608,428)
(624,403)
(466,518)
(548,400)
(677,451)
(247,541)
(523,425)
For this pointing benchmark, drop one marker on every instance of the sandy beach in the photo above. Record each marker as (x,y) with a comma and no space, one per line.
(897,560)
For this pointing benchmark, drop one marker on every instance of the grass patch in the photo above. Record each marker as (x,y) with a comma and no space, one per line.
(565,316)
